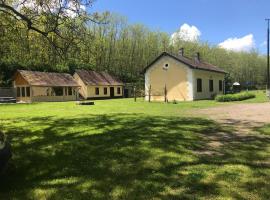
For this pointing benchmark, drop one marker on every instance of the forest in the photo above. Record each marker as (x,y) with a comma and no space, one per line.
(106,42)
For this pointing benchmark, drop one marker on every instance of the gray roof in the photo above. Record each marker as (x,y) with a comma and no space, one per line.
(190,62)
(90,77)
(35,78)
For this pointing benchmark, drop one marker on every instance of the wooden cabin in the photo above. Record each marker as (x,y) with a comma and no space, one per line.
(95,85)
(33,86)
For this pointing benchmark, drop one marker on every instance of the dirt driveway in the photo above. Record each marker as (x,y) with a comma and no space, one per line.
(243,117)
(241,120)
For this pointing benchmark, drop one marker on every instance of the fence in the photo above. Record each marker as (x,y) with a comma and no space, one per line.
(7,92)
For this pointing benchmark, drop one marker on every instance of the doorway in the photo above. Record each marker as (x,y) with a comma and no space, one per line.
(112,92)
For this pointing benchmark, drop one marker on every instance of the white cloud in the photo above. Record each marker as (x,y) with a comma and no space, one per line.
(186,33)
(245,43)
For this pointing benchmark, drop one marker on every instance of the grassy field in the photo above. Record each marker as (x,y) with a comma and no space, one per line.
(119,149)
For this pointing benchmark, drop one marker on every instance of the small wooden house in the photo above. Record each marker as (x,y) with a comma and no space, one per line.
(33,86)
(95,85)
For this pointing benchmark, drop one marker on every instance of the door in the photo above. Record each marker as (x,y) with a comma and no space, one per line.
(126,93)
(112,92)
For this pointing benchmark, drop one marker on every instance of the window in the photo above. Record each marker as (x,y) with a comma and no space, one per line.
(58,91)
(23,92)
(199,85)
(97,91)
(166,66)
(27,91)
(118,90)
(18,92)
(70,91)
(220,85)
(211,85)
(105,90)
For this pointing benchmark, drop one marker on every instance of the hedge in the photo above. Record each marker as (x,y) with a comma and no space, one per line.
(235,97)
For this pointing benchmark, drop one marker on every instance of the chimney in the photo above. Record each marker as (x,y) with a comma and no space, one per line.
(181,52)
(197,58)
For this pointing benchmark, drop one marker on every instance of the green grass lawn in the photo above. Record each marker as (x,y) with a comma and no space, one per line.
(119,149)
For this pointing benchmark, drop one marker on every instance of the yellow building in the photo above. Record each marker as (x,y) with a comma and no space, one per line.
(95,85)
(32,86)
(176,77)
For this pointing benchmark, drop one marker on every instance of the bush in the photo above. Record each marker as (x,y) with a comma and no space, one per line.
(235,97)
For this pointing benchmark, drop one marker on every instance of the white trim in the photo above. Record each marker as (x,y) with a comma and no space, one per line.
(190,84)
(147,76)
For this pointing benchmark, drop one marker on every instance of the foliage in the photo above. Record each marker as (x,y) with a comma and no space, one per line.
(120,149)
(60,23)
(121,48)
(235,97)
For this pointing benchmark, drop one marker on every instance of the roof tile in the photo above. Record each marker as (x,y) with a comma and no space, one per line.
(36,78)
(190,62)
(97,78)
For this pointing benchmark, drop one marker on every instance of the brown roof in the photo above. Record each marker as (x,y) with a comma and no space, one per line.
(35,78)
(97,78)
(190,62)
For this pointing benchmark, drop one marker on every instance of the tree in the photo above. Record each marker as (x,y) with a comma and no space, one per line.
(55,20)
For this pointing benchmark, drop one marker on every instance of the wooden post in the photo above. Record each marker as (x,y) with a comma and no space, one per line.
(135,95)
(149,94)
(165,93)
(31,93)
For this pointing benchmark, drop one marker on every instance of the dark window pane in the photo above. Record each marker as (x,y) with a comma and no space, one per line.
(118,90)
(105,91)
(28,91)
(220,85)
(23,92)
(211,85)
(18,92)
(69,91)
(58,91)
(199,85)
(97,91)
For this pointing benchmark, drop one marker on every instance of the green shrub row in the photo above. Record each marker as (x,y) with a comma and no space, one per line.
(235,97)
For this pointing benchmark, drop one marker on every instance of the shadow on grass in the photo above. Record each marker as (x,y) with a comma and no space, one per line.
(133,157)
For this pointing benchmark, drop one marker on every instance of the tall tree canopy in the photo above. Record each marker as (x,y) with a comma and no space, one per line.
(61,36)
(53,19)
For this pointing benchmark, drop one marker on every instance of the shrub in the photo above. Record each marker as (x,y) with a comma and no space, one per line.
(235,97)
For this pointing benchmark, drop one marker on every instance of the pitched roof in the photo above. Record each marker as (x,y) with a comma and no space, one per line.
(190,62)
(35,78)
(97,78)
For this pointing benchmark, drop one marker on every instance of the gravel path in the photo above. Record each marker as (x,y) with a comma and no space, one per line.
(241,119)
(242,116)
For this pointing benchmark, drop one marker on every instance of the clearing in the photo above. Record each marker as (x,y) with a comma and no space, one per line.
(119,149)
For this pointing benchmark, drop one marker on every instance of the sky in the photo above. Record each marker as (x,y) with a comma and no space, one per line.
(238,25)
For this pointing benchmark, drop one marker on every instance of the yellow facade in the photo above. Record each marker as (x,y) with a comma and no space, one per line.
(27,93)
(44,94)
(89,91)
(206,76)
(83,88)
(180,81)
(174,78)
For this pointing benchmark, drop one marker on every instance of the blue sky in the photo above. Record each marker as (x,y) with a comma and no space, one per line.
(216,20)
